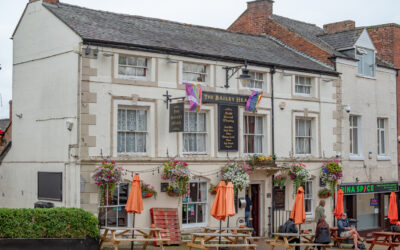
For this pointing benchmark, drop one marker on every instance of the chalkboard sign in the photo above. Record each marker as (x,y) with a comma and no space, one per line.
(50,186)
(176,117)
(228,128)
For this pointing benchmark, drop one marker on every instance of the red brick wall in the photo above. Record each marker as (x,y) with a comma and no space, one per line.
(386,39)
(339,26)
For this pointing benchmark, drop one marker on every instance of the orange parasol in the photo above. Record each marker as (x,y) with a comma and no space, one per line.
(218,209)
(339,210)
(393,215)
(230,203)
(298,211)
(134,205)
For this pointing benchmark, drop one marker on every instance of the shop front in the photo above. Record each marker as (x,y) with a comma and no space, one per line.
(368,203)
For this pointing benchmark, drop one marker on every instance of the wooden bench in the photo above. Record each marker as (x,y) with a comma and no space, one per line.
(323,246)
(336,238)
(246,246)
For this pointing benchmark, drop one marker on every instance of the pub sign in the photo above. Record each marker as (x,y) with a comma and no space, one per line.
(176,117)
(227,128)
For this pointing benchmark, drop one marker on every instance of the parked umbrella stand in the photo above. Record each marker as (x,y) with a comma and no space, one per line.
(134,204)
(218,209)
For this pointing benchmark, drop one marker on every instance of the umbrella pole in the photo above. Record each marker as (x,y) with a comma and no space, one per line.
(227,224)
(133,231)
(220,231)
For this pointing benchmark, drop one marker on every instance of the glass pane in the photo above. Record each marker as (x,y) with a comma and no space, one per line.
(259,127)
(308,127)
(201,212)
(122,60)
(142,120)
(102,216)
(131,120)
(355,141)
(366,215)
(121,119)
(111,216)
(186,139)
(142,62)
(203,192)
(121,70)
(246,144)
(123,193)
(246,125)
(202,122)
(251,124)
(186,122)
(194,189)
(140,142)
(191,213)
(121,142)
(258,144)
(131,61)
(130,142)
(201,143)
(122,217)
(250,144)
(184,213)
(192,143)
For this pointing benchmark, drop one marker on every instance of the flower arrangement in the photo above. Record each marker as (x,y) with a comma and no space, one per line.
(107,175)
(331,173)
(178,174)
(280,180)
(298,173)
(148,190)
(260,159)
(212,189)
(237,173)
(172,191)
(324,193)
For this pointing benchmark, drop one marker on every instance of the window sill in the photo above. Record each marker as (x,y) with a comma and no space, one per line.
(201,83)
(383,158)
(356,158)
(303,155)
(138,78)
(366,77)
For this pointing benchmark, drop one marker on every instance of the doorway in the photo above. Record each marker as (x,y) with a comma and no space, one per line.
(256,209)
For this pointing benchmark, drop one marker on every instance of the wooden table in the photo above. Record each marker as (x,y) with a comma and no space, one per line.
(203,241)
(389,239)
(335,237)
(116,235)
(286,237)
(245,230)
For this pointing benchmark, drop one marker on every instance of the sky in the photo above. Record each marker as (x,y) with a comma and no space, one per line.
(214,13)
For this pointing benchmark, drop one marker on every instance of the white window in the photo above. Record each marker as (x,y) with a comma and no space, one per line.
(194,205)
(112,211)
(256,80)
(355,130)
(303,85)
(132,131)
(131,66)
(366,62)
(303,136)
(194,72)
(253,134)
(308,197)
(195,133)
(381,136)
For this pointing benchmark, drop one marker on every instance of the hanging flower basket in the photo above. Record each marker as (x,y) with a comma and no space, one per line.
(106,178)
(324,193)
(331,173)
(213,189)
(237,173)
(178,175)
(148,190)
(280,180)
(298,173)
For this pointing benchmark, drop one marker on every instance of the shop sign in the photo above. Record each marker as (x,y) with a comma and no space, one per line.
(369,188)
(373,202)
(176,117)
(220,98)
(228,128)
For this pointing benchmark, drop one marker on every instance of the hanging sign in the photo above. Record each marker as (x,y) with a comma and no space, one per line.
(228,128)
(220,98)
(370,188)
(176,117)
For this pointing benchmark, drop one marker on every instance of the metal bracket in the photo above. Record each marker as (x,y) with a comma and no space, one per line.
(168,98)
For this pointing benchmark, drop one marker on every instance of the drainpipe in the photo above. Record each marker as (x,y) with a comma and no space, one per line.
(272,71)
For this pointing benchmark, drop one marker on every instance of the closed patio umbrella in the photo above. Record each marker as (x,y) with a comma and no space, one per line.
(339,210)
(298,213)
(134,205)
(393,215)
(230,203)
(218,209)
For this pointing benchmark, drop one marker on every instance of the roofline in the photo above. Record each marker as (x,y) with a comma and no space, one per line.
(382,25)
(19,21)
(199,55)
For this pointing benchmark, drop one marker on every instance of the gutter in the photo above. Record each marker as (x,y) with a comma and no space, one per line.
(178,52)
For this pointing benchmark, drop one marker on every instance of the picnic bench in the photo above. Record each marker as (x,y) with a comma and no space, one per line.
(335,237)
(283,240)
(389,239)
(245,230)
(116,235)
(231,240)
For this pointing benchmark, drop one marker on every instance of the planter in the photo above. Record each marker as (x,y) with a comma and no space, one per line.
(148,195)
(214,192)
(324,196)
(173,194)
(50,244)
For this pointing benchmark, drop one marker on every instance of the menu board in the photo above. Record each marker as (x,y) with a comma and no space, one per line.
(176,117)
(228,128)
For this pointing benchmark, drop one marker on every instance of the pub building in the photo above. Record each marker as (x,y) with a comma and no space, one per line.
(126,101)
(368,203)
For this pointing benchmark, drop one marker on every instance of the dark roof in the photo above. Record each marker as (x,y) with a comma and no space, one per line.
(172,37)
(307,30)
(341,40)
(4,124)
(382,63)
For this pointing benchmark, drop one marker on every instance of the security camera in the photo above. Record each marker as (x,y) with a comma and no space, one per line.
(347,108)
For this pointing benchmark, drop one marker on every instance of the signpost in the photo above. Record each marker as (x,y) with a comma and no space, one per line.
(369,188)
(176,117)
(228,128)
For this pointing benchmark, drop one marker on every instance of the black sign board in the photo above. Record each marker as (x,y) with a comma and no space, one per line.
(228,127)
(176,117)
(229,99)
(370,188)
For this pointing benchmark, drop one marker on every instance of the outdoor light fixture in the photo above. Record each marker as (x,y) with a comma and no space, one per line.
(87,51)
(95,52)
(230,71)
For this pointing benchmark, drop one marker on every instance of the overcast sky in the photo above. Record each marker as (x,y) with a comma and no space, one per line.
(215,13)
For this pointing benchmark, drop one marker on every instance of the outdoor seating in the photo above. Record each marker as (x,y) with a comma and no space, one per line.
(116,235)
(206,241)
(283,239)
(336,238)
(388,239)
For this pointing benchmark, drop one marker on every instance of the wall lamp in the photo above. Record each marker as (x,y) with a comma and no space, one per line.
(230,71)
(87,51)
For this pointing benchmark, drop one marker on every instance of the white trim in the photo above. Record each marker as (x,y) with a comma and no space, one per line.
(385,70)
(356,157)
(383,158)
(347,62)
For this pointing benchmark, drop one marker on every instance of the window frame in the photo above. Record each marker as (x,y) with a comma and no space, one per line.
(358,155)
(309,197)
(262,135)
(360,56)
(131,77)
(254,79)
(202,224)
(381,130)
(122,206)
(146,133)
(196,133)
(303,85)
(310,137)
(206,74)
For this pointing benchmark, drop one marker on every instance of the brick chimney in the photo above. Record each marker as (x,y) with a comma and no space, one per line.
(339,26)
(260,8)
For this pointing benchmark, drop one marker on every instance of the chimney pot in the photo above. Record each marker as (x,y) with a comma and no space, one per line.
(340,26)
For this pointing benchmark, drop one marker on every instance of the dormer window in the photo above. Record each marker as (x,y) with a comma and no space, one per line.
(366,62)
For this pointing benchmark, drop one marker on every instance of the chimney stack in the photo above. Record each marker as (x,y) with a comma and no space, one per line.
(331,28)
(46,1)
(260,8)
